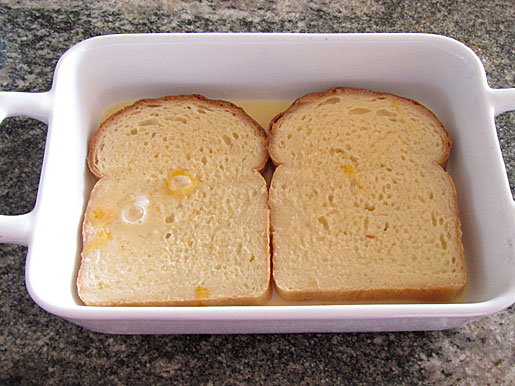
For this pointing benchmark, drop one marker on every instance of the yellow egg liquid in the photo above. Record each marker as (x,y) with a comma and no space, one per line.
(263,111)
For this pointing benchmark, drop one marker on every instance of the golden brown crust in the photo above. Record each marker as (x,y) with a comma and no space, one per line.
(240,301)
(441,294)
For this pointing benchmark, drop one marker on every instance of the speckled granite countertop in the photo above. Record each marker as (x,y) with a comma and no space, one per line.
(38,348)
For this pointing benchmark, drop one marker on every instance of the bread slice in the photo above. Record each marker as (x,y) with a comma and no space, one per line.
(361,206)
(179,215)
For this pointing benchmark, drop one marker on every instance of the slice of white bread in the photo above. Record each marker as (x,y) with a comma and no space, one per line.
(361,206)
(179,215)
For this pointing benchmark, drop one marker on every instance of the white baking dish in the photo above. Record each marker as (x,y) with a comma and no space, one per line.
(440,72)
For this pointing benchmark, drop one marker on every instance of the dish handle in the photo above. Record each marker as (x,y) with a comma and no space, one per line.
(17,229)
(502,99)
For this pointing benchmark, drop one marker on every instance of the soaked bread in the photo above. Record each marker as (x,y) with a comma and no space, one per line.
(179,215)
(361,206)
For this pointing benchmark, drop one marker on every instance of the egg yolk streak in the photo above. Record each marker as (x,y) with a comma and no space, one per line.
(180,183)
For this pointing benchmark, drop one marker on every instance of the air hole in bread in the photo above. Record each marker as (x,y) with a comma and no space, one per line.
(330,101)
(322,220)
(181,119)
(370,206)
(147,122)
(359,111)
(226,139)
(443,242)
(386,113)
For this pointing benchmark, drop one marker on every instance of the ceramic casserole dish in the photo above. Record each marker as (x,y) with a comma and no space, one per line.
(439,72)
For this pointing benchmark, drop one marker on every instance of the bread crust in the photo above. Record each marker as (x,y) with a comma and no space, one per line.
(427,293)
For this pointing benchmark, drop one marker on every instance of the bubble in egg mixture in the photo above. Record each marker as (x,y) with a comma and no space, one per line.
(180,182)
(134,210)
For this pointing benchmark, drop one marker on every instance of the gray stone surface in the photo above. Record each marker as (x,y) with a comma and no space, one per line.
(38,348)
